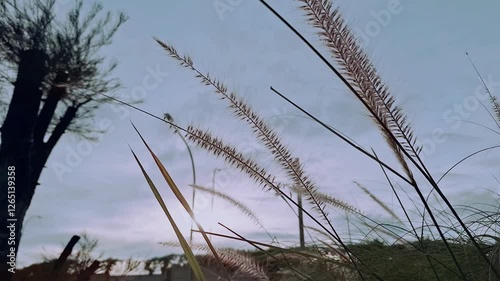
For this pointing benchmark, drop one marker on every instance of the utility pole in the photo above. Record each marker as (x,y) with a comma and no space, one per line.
(301,221)
(296,163)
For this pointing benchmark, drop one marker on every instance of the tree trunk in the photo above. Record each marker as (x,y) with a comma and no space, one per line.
(16,151)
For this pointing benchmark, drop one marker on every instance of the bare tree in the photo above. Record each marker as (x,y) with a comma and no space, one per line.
(56,75)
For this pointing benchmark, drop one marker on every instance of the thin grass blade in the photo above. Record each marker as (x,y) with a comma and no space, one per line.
(182,200)
(195,266)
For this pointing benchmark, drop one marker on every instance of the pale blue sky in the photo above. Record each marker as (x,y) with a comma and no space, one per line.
(420,54)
